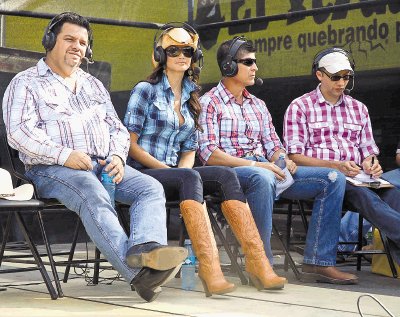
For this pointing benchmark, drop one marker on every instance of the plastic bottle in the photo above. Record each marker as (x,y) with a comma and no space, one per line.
(108,183)
(188,270)
(280,162)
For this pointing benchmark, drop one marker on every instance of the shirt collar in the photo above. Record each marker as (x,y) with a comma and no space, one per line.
(321,98)
(187,84)
(227,96)
(43,68)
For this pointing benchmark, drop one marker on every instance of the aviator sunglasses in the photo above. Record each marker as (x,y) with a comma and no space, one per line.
(174,51)
(246,61)
(337,77)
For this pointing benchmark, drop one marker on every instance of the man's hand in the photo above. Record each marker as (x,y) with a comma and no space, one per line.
(79,161)
(291,166)
(374,169)
(279,174)
(115,168)
(349,168)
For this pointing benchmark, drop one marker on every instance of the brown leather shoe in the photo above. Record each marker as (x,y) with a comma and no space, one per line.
(326,274)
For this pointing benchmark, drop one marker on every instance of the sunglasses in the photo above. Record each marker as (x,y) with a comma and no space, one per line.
(337,77)
(175,51)
(246,61)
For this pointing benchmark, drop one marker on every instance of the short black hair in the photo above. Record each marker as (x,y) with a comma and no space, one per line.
(73,18)
(223,50)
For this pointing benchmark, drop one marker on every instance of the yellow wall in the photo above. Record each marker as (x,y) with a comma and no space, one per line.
(129,49)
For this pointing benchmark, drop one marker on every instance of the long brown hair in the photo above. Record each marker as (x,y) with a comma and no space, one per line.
(194,103)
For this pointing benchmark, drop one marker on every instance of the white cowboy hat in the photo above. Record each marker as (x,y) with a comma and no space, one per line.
(23,192)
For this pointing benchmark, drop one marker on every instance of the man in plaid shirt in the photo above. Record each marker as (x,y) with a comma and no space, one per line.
(238,132)
(328,128)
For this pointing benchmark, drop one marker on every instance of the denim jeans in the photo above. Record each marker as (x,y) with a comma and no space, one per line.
(381,207)
(193,184)
(349,230)
(82,192)
(393,177)
(324,185)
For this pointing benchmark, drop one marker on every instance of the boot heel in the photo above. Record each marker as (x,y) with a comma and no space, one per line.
(206,291)
(256,282)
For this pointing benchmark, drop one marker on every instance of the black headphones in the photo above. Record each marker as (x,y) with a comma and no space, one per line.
(229,67)
(327,51)
(159,53)
(49,37)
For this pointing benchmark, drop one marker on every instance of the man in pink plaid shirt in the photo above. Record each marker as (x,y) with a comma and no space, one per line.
(328,128)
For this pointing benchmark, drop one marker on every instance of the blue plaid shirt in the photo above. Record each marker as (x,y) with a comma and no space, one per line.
(150,115)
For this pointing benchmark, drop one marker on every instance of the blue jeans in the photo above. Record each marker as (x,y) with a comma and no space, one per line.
(381,207)
(349,230)
(82,192)
(393,177)
(326,186)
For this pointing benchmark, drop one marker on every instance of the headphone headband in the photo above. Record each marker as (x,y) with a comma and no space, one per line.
(229,67)
(158,51)
(324,52)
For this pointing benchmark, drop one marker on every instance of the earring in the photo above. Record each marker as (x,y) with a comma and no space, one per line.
(190,73)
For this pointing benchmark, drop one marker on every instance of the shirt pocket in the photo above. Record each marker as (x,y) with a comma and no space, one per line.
(158,117)
(54,108)
(319,129)
(352,131)
(226,126)
(97,108)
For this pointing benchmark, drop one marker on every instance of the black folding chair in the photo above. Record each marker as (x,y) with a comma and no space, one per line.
(52,205)
(17,208)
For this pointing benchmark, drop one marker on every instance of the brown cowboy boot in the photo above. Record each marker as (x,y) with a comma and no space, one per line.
(241,220)
(199,229)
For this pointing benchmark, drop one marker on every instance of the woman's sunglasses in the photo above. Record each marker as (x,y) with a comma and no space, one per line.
(246,61)
(337,77)
(175,51)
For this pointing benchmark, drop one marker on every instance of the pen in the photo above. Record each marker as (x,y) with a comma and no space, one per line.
(372,163)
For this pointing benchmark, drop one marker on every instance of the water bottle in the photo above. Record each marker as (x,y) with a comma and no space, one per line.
(188,270)
(281,162)
(108,183)
(281,185)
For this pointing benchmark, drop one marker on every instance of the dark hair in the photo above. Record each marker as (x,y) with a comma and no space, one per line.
(223,50)
(194,103)
(73,18)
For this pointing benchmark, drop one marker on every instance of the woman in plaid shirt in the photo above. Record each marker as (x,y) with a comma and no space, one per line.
(162,118)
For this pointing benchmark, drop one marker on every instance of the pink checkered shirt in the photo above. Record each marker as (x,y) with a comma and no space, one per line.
(342,132)
(233,128)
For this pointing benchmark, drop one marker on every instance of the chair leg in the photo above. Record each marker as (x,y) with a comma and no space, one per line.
(6,233)
(35,253)
(72,250)
(96,270)
(388,254)
(359,241)
(232,258)
(288,237)
(50,255)
(285,248)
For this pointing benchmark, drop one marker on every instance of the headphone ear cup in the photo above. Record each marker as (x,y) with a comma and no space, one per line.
(159,55)
(229,68)
(89,53)
(198,54)
(49,40)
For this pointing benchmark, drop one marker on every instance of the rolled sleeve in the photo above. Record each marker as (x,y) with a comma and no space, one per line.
(209,122)
(294,130)
(270,139)
(367,144)
(191,143)
(137,109)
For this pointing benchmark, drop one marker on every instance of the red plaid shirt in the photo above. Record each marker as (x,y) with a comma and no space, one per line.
(233,128)
(341,132)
